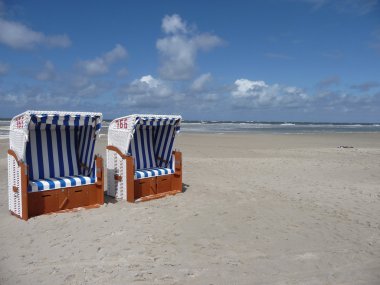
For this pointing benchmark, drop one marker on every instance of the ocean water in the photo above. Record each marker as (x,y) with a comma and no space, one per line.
(251,127)
(277,127)
(4,129)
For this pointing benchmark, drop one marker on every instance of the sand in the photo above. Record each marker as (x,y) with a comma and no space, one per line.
(256,209)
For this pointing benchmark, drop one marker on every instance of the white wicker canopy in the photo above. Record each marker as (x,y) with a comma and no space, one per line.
(24,122)
(121,130)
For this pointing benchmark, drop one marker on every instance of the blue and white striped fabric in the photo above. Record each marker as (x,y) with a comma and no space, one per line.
(152,146)
(152,172)
(60,151)
(163,141)
(67,120)
(86,145)
(156,121)
(51,152)
(59,182)
(142,147)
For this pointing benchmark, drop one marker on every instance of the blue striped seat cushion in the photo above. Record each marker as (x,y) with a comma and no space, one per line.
(152,172)
(59,182)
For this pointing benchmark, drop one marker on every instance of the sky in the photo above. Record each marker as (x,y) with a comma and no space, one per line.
(284,60)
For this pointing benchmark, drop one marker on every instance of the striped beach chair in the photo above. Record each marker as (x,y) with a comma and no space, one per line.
(141,163)
(51,162)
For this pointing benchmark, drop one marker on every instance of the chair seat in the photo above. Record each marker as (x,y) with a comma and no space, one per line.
(152,172)
(59,182)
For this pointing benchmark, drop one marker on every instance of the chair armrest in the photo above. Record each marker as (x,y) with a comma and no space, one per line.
(12,153)
(117,150)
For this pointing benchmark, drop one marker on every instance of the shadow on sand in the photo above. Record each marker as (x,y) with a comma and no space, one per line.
(113,200)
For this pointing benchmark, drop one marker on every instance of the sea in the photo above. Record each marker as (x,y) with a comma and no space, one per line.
(222,127)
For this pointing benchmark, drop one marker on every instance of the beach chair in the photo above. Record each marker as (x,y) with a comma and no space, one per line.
(51,162)
(141,163)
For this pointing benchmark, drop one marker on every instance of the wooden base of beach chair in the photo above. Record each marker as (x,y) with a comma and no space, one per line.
(50,201)
(59,200)
(147,189)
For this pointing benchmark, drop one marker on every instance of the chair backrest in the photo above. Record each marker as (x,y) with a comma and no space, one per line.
(52,152)
(85,145)
(163,147)
(142,147)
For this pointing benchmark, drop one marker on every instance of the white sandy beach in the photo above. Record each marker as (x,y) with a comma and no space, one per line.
(257,209)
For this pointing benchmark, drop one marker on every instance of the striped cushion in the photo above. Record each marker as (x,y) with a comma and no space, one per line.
(152,172)
(142,148)
(59,182)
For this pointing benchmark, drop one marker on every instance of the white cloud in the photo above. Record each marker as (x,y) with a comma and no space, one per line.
(47,73)
(119,52)
(122,72)
(179,48)
(100,65)
(173,24)
(149,86)
(19,36)
(211,97)
(4,68)
(248,93)
(200,83)
(149,93)
(248,88)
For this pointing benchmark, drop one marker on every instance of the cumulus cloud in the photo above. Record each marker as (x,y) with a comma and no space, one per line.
(173,24)
(179,48)
(335,103)
(47,73)
(150,93)
(149,86)
(200,83)
(248,93)
(100,65)
(19,36)
(4,68)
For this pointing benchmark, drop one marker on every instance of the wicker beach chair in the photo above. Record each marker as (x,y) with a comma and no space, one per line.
(141,163)
(51,162)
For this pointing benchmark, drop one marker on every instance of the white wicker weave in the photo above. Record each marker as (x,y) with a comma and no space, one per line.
(14,180)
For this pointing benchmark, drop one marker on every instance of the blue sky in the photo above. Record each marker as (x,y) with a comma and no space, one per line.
(296,60)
